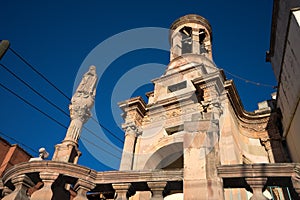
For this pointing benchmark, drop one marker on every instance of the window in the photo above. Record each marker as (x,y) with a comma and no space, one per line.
(186,42)
(177,86)
(174,129)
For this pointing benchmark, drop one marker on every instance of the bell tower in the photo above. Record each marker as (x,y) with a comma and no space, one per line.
(179,126)
(190,34)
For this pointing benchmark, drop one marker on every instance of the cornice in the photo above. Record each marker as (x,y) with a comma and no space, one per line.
(81,172)
(64,168)
(257,170)
(238,107)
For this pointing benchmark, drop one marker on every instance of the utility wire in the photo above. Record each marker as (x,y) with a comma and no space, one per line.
(249,81)
(40,74)
(60,91)
(35,91)
(33,106)
(18,142)
(94,134)
(244,79)
(54,105)
(114,135)
(56,121)
(97,146)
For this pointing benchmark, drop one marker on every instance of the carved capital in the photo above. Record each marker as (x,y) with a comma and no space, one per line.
(157,189)
(131,129)
(80,111)
(82,187)
(257,185)
(121,190)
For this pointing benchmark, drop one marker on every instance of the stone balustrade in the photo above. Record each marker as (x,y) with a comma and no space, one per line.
(258,176)
(61,180)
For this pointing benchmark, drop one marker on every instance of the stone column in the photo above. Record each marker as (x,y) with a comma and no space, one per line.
(121,190)
(157,189)
(129,146)
(195,41)
(176,46)
(45,193)
(134,111)
(81,104)
(267,144)
(257,185)
(82,187)
(21,183)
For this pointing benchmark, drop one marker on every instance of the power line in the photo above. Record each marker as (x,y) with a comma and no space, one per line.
(60,91)
(18,142)
(108,130)
(43,97)
(56,121)
(35,91)
(97,146)
(244,79)
(249,81)
(33,106)
(40,74)
(94,134)
(51,103)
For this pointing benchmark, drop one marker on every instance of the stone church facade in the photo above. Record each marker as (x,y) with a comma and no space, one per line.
(191,140)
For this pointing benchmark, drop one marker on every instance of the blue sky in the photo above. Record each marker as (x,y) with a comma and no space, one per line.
(59,38)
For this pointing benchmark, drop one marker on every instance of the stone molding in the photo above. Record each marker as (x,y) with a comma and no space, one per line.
(80,172)
(257,170)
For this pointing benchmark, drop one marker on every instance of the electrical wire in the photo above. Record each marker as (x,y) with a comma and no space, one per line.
(40,74)
(94,134)
(56,121)
(47,100)
(33,106)
(249,81)
(97,146)
(35,91)
(18,142)
(60,91)
(116,137)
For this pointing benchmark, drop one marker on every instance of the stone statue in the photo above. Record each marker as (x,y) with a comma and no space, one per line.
(81,103)
(80,111)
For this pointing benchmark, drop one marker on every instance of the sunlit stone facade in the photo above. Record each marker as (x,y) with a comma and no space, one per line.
(191,140)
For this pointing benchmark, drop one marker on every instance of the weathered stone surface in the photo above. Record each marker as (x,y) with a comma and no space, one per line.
(21,183)
(45,192)
(81,103)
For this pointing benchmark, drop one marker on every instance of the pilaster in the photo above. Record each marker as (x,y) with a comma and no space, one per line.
(195,41)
